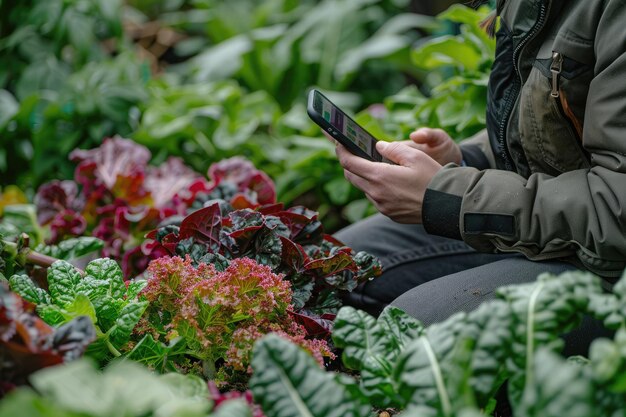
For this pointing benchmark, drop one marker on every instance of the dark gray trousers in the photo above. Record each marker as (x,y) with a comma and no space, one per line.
(432,277)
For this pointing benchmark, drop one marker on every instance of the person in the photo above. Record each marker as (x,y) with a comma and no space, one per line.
(542,189)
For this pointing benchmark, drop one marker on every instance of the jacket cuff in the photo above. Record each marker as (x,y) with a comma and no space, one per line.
(441,213)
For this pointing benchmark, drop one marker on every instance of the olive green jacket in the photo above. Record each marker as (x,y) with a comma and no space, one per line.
(548,177)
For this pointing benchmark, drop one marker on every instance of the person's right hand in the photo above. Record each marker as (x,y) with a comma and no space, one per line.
(437,144)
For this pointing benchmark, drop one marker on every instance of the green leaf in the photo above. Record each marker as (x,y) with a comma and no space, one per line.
(287,382)
(108,270)
(124,389)
(51,314)
(359,335)
(81,306)
(399,328)
(558,389)
(541,311)
(8,107)
(126,322)
(62,281)
(186,386)
(446,51)
(71,248)
(233,408)
(26,288)
(134,288)
(157,355)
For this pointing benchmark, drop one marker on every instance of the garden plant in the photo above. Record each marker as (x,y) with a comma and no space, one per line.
(165,210)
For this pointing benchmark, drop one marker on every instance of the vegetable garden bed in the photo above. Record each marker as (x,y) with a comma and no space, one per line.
(169,275)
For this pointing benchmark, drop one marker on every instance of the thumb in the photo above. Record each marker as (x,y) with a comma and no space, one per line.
(398,152)
(428,136)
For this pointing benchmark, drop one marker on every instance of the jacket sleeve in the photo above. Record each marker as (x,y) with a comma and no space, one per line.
(477,151)
(579,214)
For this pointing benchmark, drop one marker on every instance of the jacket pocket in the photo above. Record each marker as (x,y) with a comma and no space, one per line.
(552,114)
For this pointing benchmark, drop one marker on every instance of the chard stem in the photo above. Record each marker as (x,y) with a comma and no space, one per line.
(446,406)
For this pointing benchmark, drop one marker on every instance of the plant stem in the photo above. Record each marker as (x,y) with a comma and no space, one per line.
(28,256)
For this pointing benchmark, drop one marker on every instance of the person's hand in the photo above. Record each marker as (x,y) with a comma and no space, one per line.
(397,191)
(437,144)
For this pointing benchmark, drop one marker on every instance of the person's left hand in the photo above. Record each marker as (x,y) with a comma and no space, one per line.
(397,191)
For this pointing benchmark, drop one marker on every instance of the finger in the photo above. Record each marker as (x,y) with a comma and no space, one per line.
(330,138)
(355,164)
(426,135)
(359,182)
(400,153)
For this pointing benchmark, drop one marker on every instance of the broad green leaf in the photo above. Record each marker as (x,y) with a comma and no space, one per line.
(399,327)
(419,371)
(134,288)
(93,288)
(26,288)
(157,355)
(8,107)
(186,386)
(25,402)
(126,322)
(51,314)
(359,335)
(446,51)
(62,281)
(233,408)
(108,270)
(541,311)
(558,389)
(72,248)
(81,306)
(107,310)
(287,382)
(123,389)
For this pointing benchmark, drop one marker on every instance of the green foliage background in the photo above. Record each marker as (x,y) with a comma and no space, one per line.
(233,83)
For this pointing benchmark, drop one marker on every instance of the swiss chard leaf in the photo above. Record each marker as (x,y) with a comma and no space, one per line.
(72,248)
(62,281)
(108,270)
(560,389)
(372,347)
(287,382)
(158,355)
(26,288)
(126,321)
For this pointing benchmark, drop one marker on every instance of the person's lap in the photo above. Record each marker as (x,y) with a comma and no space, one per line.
(410,257)
(432,277)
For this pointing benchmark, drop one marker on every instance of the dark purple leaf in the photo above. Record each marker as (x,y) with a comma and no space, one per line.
(204,225)
(317,326)
(116,157)
(55,197)
(28,344)
(330,266)
(293,255)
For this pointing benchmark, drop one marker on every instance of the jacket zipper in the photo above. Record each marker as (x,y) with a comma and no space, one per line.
(561,100)
(508,164)
(555,68)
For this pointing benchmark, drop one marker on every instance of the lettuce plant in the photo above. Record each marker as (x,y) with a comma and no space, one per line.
(117,197)
(290,241)
(28,344)
(102,295)
(210,319)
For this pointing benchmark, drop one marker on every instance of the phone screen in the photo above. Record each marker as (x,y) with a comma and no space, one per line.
(348,127)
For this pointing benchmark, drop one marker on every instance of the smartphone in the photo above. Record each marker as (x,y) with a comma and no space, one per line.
(341,127)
